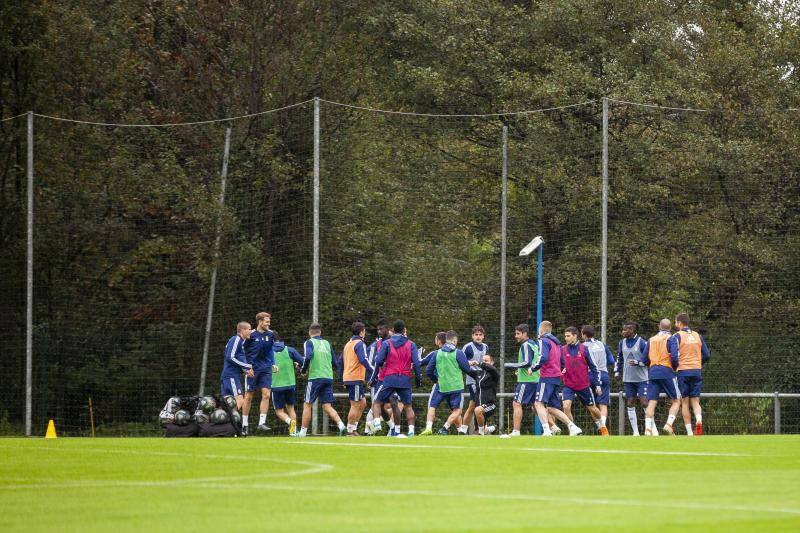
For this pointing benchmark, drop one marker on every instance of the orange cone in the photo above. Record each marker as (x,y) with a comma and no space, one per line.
(51,430)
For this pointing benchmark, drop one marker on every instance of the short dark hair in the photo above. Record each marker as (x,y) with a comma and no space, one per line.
(382,322)
(683,318)
(489,355)
(399,327)
(451,335)
(275,336)
(441,337)
(522,328)
(314,327)
(571,329)
(358,327)
(588,331)
(478,329)
(632,325)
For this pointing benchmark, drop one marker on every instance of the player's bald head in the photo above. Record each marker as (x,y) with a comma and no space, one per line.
(665,324)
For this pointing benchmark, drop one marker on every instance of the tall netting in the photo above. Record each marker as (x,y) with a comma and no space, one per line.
(554,191)
(703,218)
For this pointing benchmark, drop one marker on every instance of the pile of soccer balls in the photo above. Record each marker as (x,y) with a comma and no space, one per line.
(201,416)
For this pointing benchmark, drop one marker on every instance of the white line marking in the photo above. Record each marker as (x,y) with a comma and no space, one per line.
(555,450)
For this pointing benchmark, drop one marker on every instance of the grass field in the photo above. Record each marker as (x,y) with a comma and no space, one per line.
(380,484)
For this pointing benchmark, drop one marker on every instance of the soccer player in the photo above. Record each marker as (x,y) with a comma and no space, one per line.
(389,412)
(283,383)
(319,362)
(630,361)
(549,364)
(692,353)
(527,380)
(580,375)
(445,368)
(235,364)
(486,384)
(661,378)
(603,359)
(399,355)
(258,349)
(356,366)
(473,351)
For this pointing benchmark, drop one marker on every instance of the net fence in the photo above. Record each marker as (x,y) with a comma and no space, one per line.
(129,229)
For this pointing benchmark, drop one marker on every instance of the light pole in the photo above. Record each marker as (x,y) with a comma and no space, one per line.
(528,250)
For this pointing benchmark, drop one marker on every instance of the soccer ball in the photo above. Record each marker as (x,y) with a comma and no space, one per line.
(220,416)
(236,418)
(200,417)
(230,401)
(182,417)
(207,404)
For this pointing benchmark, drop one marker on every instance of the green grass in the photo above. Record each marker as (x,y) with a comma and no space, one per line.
(381,484)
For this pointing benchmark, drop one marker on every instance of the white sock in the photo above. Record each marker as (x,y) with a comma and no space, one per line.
(411,428)
(546,430)
(340,425)
(633,419)
(462,428)
(602,420)
(648,423)
(689,430)
(376,423)
(428,425)
(369,417)
(598,423)
(262,418)
(699,418)
(244,420)
(571,425)
(351,428)
(481,430)
(515,432)
(447,425)
(288,420)
(670,419)
(303,432)
(390,423)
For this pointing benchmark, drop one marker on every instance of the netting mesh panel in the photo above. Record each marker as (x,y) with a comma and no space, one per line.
(715,197)
(127,215)
(410,222)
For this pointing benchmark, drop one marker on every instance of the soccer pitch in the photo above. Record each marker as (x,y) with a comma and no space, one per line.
(381,484)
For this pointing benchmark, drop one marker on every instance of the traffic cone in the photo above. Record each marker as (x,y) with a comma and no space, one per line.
(51,430)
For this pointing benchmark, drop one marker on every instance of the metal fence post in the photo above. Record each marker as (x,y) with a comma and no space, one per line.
(212,288)
(604,251)
(315,281)
(29,289)
(777,403)
(503,249)
(621,414)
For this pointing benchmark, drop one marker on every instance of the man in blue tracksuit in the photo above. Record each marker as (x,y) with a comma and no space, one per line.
(603,360)
(235,364)
(259,352)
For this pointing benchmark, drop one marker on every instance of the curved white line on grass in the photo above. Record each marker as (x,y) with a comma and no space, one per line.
(312,468)
(520,497)
(555,450)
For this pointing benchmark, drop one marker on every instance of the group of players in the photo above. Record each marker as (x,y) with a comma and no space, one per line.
(550,375)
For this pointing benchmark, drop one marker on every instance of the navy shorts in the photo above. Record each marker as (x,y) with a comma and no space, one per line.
(283,397)
(586,396)
(605,389)
(261,380)
(454,399)
(635,389)
(473,392)
(230,386)
(548,394)
(319,389)
(525,393)
(668,386)
(690,385)
(355,390)
(383,393)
